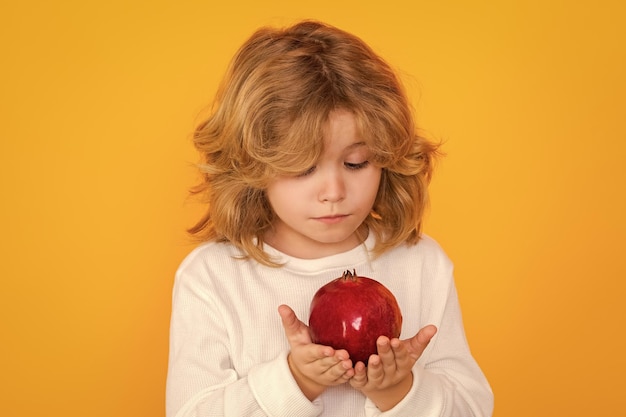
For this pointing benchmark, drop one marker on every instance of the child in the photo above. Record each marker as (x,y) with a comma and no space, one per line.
(312,166)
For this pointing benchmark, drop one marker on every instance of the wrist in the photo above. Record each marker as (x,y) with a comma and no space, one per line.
(309,387)
(387,398)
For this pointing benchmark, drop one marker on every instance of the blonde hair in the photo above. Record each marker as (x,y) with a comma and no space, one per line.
(268,118)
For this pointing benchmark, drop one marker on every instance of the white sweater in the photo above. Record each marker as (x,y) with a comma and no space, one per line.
(228,349)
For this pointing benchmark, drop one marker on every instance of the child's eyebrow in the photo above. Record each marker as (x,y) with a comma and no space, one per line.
(355,145)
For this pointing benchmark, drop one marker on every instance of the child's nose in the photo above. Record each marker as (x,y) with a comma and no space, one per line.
(332,188)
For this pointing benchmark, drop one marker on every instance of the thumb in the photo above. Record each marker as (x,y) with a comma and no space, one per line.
(426,334)
(420,341)
(295,330)
(288,317)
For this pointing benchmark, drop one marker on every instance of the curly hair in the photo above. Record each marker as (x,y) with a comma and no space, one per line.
(267,120)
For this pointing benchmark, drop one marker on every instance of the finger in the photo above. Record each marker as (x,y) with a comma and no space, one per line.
(386,354)
(420,341)
(342,355)
(382,346)
(426,334)
(375,370)
(296,331)
(400,351)
(324,354)
(397,359)
(340,371)
(342,359)
(289,319)
(360,375)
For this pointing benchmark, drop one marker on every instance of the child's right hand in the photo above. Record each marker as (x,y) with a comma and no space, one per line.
(315,367)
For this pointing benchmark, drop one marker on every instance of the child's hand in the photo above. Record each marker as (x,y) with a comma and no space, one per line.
(388,376)
(315,367)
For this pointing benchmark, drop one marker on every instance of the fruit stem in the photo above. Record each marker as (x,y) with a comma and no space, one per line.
(349,275)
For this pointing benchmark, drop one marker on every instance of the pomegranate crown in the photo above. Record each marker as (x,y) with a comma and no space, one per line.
(349,275)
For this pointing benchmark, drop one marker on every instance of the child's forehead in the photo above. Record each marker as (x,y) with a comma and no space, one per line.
(342,148)
(344,126)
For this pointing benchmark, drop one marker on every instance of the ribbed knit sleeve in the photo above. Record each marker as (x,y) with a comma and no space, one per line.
(270,377)
(447,380)
(202,379)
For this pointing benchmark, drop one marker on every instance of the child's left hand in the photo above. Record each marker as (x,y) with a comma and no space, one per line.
(388,376)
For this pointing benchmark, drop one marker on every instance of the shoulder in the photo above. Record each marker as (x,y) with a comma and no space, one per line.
(426,259)
(429,245)
(426,249)
(437,258)
(207,253)
(207,261)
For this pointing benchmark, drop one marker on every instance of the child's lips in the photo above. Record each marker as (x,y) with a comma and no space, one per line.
(331,219)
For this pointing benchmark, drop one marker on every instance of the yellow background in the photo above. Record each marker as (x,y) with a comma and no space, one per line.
(98,100)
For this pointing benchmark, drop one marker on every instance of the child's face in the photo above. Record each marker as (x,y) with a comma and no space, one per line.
(319,211)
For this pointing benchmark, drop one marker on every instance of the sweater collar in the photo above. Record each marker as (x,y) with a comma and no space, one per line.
(354,256)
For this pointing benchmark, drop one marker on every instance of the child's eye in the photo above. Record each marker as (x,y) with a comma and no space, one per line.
(307,172)
(356,166)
